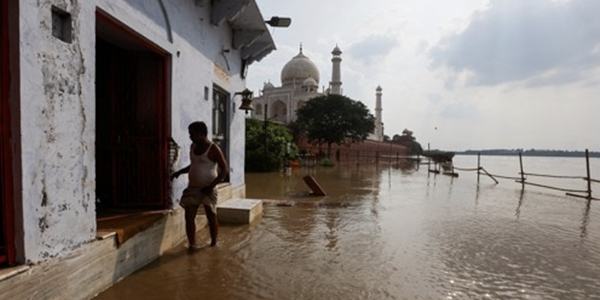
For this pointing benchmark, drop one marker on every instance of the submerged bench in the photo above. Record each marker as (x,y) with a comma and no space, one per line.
(240,211)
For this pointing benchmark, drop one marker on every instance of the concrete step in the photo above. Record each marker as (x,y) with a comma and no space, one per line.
(239,211)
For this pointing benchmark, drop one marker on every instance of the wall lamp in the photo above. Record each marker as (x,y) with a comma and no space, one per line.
(279,22)
(246,100)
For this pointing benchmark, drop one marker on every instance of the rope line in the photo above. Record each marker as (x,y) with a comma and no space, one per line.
(553,176)
(503,177)
(553,188)
(465,169)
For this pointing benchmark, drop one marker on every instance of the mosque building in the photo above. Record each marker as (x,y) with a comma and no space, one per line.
(300,83)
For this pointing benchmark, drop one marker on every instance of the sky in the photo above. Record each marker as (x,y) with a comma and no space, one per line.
(461,74)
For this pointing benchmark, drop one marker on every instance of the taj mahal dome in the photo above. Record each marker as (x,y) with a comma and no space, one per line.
(300,83)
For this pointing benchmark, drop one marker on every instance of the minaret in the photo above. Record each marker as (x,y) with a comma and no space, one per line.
(378,121)
(336,76)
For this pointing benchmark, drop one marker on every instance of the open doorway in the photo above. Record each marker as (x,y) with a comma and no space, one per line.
(131,119)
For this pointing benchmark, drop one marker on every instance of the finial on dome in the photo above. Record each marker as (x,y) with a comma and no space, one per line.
(300,47)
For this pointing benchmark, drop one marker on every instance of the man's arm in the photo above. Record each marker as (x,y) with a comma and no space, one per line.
(176,174)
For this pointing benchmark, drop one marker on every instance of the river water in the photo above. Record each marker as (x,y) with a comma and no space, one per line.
(385,232)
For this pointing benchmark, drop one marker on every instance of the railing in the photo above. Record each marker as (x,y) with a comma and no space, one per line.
(522,179)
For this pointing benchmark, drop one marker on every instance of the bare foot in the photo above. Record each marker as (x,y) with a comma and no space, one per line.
(193,247)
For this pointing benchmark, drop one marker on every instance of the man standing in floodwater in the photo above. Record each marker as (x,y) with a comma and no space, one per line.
(207,169)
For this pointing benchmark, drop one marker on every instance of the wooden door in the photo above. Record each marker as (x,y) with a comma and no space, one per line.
(137,132)
(133,122)
(7,249)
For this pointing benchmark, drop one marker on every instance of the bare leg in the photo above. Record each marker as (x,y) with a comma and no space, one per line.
(213,225)
(190,224)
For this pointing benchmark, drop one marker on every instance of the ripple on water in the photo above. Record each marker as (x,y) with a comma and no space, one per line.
(509,260)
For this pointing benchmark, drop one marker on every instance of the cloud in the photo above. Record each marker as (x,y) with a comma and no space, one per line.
(459,111)
(372,48)
(546,42)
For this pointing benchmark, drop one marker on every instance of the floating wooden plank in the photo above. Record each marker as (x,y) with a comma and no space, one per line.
(316,189)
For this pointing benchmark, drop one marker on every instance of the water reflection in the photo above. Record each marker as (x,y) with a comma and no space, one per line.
(518,211)
(389,233)
(585,220)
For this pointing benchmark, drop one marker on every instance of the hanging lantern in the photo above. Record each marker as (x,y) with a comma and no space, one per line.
(246,100)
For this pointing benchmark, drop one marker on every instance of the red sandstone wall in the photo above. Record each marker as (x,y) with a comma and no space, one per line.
(365,151)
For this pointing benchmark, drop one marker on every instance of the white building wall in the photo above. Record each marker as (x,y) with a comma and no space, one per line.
(58,107)
(201,63)
(57,131)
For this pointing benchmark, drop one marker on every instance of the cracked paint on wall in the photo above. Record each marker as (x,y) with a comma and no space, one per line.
(58,150)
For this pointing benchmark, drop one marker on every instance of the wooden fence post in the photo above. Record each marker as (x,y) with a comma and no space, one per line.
(589,177)
(478,165)
(428,158)
(522,174)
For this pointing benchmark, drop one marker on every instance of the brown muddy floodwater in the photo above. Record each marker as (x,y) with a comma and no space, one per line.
(389,233)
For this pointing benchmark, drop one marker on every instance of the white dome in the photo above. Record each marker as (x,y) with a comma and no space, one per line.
(299,69)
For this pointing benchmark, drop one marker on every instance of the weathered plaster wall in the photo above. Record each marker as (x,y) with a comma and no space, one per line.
(57,130)
(199,47)
(58,106)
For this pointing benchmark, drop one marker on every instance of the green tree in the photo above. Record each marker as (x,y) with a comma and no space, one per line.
(409,141)
(335,119)
(415,148)
(270,154)
(297,130)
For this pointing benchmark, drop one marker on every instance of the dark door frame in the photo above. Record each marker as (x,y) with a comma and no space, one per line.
(7,240)
(121,34)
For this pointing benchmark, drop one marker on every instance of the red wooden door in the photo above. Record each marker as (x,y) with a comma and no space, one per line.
(138,130)
(131,142)
(7,250)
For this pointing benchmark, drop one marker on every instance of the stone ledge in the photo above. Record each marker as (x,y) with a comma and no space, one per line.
(239,211)
(6,273)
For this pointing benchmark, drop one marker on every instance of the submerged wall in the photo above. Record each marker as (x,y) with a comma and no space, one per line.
(93,267)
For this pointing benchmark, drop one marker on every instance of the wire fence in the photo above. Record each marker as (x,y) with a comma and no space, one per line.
(523,178)
(377,154)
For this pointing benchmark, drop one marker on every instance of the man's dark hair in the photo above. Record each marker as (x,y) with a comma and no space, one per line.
(198,127)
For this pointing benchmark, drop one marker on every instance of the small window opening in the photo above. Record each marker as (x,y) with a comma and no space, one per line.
(61,25)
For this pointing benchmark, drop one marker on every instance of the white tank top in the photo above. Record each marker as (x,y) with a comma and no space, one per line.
(202,170)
